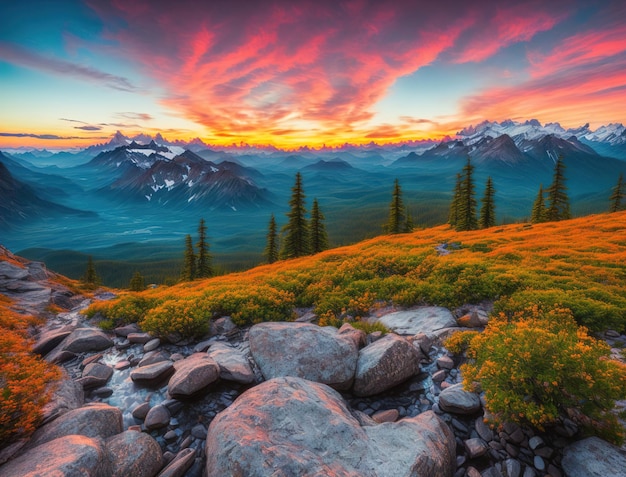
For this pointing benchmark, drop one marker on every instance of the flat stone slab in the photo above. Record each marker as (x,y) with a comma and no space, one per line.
(153,373)
(593,457)
(424,319)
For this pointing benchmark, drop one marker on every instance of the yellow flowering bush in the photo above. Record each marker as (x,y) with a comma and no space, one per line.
(537,364)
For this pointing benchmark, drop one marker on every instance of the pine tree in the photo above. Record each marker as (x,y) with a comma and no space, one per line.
(453,216)
(488,210)
(408,223)
(189,264)
(396,220)
(319,237)
(271,250)
(137,282)
(91,278)
(296,242)
(558,201)
(467,202)
(618,195)
(204,268)
(538,213)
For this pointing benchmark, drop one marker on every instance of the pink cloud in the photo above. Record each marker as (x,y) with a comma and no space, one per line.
(263,68)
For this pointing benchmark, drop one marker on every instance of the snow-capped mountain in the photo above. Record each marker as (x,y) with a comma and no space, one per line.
(177,177)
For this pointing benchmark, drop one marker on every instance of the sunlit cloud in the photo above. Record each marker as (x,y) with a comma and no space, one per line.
(135,116)
(21,56)
(53,137)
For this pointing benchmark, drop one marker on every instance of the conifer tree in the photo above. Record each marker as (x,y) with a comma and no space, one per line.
(488,210)
(453,216)
(395,223)
(558,201)
(408,223)
(189,264)
(205,267)
(319,237)
(271,249)
(538,213)
(137,282)
(297,240)
(467,202)
(618,195)
(91,278)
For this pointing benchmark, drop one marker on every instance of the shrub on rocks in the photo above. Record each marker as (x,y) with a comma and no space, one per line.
(537,365)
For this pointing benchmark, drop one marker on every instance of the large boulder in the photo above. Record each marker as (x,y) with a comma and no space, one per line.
(192,374)
(92,420)
(424,319)
(290,426)
(50,339)
(593,457)
(152,374)
(304,350)
(83,340)
(134,454)
(456,400)
(385,364)
(69,456)
(233,363)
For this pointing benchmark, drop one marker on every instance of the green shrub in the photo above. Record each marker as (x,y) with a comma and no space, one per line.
(535,365)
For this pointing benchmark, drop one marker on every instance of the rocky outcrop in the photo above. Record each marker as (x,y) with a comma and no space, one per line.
(192,375)
(385,364)
(424,319)
(305,351)
(292,426)
(593,457)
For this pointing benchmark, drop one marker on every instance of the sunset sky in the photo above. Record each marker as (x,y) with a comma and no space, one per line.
(292,73)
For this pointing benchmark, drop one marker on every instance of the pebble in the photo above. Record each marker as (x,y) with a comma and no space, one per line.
(539,464)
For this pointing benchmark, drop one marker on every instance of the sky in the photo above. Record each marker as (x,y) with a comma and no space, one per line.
(290,74)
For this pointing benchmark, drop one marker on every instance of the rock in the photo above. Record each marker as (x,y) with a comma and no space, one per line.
(233,363)
(151,345)
(390,415)
(125,330)
(304,350)
(593,457)
(512,468)
(359,337)
(439,376)
(153,374)
(133,454)
(483,430)
(98,370)
(180,464)
(470,320)
(48,340)
(153,357)
(82,340)
(611,334)
(445,362)
(540,464)
(139,338)
(92,420)
(423,342)
(385,364)
(222,326)
(424,319)
(192,374)
(69,456)
(122,365)
(157,417)
(141,411)
(67,396)
(535,442)
(290,426)
(475,447)
(457,401)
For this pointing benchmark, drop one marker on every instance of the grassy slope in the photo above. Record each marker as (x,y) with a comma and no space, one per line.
(580,264)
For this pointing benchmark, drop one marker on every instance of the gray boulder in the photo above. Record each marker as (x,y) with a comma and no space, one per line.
(82,340)
(192,374)
(152,374)
(92,420)
(385,364)
(304,350)
(157,417)
(458,401)
(134,454)
(593,457)
(70,456)
(290,426)
(50,339)
(233,363)
(424,319)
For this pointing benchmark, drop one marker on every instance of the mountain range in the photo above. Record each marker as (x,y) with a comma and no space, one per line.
(151,191)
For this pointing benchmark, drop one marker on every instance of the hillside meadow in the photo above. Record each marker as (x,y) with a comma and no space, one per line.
(578,264)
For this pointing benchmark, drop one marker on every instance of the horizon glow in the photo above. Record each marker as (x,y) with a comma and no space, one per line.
(311,73)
